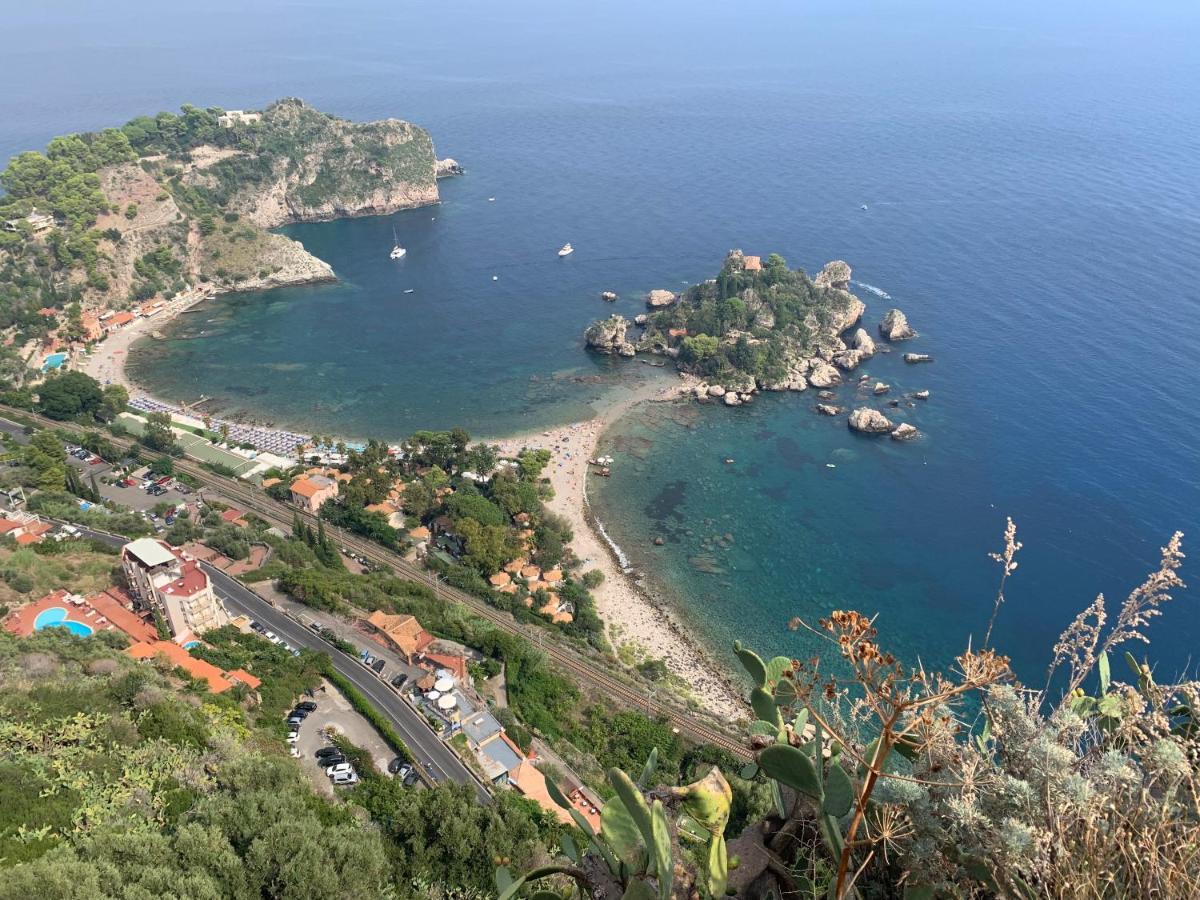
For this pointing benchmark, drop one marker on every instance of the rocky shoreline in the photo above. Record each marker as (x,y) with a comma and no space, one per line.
(837,353)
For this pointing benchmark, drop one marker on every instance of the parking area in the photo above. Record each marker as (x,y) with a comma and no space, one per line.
(334,713)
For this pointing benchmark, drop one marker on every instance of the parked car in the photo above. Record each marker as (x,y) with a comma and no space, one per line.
(368,660)
(396,765)
(327,752)
(398,681)
(345,778)
(411,778)
(256,625)
(328,762)
(339,768)
(379,665)
(295,751)
(293,736)
(315,626)
(307,706)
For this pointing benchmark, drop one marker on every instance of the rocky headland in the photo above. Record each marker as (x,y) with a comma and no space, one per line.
(175,205)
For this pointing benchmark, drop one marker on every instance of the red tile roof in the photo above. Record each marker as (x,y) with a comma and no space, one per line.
(179,657)
(191,580)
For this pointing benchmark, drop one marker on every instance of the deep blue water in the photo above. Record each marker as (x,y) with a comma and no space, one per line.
(1034,189)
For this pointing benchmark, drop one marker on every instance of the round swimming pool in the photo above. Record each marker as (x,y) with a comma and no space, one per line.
(56,617)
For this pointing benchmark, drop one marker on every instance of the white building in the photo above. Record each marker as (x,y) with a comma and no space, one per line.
(164,579)
(238,117)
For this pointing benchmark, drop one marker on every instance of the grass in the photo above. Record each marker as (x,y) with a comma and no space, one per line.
(79,570)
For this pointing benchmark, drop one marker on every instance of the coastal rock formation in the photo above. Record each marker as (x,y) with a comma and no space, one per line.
(881,388)
(331,168)
(863,343)
(849,314)
(608,336)
(905,432)
(733,399)
(827,409)
(823,375)
(640,319)
(835,274)
(848,359)
(660,299)
(447,168)
(869,421)
(716,390)
(793,382)
(922,395)
(917,357)
(608,296)
(895,326)
(826,395)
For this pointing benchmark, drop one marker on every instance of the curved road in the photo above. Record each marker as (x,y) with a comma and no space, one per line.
(591,673)
(435,760)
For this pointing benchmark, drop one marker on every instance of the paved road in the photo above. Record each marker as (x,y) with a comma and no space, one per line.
(435,758)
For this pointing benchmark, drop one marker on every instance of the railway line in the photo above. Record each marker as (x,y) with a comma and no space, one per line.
(588,672)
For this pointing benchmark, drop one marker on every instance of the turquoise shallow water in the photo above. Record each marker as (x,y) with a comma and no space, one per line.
(1032,181)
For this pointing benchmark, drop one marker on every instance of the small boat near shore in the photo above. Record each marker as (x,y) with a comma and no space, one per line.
(566,250)
(409,290)
(398,252)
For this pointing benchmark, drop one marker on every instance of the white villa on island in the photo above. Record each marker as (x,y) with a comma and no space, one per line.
(238,117)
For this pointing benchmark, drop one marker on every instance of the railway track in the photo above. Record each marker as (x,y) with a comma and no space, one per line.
(589,672)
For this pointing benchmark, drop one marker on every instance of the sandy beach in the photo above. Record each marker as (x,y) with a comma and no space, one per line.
(629,613)
(107,361)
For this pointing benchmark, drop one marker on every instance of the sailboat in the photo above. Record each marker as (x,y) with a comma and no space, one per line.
(566,250)
(397,251)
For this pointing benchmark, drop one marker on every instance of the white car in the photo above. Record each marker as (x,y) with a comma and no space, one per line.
(270,636)
(295,752)
(334,771)
(345,778)
(293,736)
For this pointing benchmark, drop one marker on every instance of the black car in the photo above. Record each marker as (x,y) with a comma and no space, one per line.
(307,706)
(325,752)
(398,681)
(300,711)
(394,765)
(410,779)
(326,761)
(378,666)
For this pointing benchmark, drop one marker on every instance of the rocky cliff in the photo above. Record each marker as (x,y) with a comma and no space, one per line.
(172,203)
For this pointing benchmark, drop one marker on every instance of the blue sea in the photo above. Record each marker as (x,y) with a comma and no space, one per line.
(1032,178)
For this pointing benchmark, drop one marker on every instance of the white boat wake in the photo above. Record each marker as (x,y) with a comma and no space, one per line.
(878,292)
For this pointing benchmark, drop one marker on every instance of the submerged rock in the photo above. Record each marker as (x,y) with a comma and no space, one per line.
(827,409)
(895,326)
(609,296)
(881,388)
(826,395)
(905,432)
(869,421)
(922,395)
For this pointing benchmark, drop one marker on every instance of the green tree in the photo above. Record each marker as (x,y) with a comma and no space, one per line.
(69,396)
(158,434)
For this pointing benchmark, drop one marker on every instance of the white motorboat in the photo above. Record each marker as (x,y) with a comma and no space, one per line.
(566,250)
(398,252)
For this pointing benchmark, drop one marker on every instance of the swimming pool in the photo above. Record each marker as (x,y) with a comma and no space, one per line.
(54,361)
(56,617)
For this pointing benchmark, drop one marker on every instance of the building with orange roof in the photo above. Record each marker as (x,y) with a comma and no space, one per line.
(515,567)
(181,659)
(677,332)
(25,528)
(404,633)
(528,781)
(531,572)
(500,579)
(47,312)
(552,576)
(118,321)
(234,517)
(420,533)
(753,264)
(271,482)
(311,492)
(166,580)
(454,663)
(218,682)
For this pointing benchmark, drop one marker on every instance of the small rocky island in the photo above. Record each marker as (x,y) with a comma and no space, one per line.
(761,326)
(171,203)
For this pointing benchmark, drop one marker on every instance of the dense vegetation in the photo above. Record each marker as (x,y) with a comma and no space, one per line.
(324,160)
(748,324)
